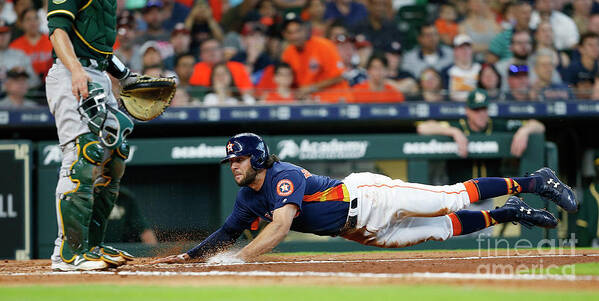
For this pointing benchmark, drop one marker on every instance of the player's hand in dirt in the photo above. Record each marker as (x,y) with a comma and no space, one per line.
(172,259)
(462,142)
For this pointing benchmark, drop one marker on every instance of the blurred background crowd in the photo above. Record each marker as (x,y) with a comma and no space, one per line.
(231,52)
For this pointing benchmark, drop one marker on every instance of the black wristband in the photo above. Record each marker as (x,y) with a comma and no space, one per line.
(117,69)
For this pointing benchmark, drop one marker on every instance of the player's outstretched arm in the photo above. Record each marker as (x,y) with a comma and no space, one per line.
(218,241)
(271,235)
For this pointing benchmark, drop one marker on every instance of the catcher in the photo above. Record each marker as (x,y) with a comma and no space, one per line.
(91,129)
(368,208)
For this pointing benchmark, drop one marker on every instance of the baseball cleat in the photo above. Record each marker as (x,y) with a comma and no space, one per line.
(86,262)
(114,259)
(528,216)
(112,251)
(551,188)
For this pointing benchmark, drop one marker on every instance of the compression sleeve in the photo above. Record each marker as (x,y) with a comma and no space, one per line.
(218,240)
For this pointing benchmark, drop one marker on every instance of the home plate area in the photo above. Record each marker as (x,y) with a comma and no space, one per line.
(447,267)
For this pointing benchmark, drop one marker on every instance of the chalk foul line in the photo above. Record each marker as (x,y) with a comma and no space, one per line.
(464,276)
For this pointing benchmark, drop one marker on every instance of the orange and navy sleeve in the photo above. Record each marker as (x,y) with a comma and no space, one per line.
(289,188)
(61,14)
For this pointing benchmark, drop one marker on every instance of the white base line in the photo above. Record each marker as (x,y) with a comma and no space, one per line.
(191,265)
(465,276)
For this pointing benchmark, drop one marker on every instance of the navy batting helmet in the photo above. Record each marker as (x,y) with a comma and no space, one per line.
(247,144)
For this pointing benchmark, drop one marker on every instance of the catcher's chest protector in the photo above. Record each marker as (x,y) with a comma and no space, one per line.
(96,23)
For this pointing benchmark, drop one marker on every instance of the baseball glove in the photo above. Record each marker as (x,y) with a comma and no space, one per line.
(145,98)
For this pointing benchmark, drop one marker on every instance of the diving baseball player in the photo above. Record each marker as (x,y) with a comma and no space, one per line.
(368,208)
(91,130)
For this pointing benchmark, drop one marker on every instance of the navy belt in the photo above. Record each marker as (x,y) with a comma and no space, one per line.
(352,218)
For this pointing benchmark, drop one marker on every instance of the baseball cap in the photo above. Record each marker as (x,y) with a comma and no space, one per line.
(517,70)
(152,4)
(4,26)
(393,47)
(342,39)
(477,99)
(17,72)
(179,28)
(461,39)
(291,17)
(360,41)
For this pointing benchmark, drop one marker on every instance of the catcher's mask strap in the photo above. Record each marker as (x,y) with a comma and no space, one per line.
(117,127)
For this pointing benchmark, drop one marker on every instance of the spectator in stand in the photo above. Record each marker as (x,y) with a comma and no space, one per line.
(518,84)
(183,69)
(521,48)
(564,28)
(125,47)
(34,44)
(7,12)
(223,90)
(460,78)
(348,12)
(11,58)
(211,53)
(446,23)
(544,40)
(500,46)
(253,55)
(284,80)
(152,16)
(181,42)
(151,54)
(173,12)
(234,17)
(376,88)
(353,74)
(584,66)
(379,27)
(316,63)
(41,16)
(15,87)
(401,79)
(202,25)
(581,14)
(19,7)
(480,26)
(431,86)
(593,25)
(490,80)
(428,53)
(274,49)
(313,13)
(543,88)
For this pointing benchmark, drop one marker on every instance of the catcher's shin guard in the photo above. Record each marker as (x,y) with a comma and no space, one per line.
(106,191)
(75,206)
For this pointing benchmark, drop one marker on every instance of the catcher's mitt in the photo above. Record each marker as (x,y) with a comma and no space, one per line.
(147,97)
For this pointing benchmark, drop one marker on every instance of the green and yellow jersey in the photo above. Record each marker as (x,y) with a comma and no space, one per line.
(90,24)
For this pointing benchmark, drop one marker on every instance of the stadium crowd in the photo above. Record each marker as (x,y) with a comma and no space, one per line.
(229,52)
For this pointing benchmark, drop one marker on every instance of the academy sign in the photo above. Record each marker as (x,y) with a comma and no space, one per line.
(436,147)
(200,151)
(313,150)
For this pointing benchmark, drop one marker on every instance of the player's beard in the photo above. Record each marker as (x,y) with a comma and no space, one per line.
(248,178)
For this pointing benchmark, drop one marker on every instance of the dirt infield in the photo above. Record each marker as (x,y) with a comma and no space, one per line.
(447,267)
